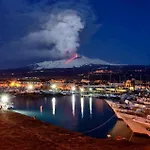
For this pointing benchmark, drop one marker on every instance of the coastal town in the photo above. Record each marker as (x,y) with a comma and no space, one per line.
(74,75)
(129,100)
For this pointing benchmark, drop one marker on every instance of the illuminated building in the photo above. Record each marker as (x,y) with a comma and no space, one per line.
(130,84)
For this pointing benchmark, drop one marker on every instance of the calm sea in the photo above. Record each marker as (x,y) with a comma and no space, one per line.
(90,116)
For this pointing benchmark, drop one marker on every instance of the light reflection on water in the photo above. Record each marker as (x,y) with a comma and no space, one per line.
(72,112)
(53,105)
(82,107)
(90,103)
(73,105)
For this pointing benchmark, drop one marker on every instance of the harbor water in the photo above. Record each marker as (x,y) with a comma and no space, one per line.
(90,116)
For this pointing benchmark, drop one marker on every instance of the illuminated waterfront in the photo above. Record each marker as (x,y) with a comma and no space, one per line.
(72,112)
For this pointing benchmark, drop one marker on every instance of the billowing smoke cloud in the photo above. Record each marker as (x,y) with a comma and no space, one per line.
(41,31)
(60,35)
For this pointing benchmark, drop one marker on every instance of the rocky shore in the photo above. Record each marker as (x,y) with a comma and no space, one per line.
(19,132)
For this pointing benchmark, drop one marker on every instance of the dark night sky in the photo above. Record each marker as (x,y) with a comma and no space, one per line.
(125,33)
(118,33)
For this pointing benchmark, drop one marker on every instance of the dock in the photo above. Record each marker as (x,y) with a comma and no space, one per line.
(136,127)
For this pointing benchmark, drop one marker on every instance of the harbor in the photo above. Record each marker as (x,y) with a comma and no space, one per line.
(80,109)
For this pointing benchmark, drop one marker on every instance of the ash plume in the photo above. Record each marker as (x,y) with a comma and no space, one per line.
(42,31)
(60,34)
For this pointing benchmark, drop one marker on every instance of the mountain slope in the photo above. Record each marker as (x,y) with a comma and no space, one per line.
(78,62)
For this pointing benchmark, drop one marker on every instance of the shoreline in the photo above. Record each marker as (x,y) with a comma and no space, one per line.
(18,131)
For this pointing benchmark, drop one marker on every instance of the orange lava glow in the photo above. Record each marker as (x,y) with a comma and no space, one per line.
(72,58)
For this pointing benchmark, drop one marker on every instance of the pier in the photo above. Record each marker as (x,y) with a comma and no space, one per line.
(136,128)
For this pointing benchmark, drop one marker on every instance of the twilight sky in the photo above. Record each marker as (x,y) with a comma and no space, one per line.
(116,31)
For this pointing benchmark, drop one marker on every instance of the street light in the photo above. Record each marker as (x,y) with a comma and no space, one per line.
(90,89)
(4,98)
(53,86)
(82,89)
(12,84)
(30,87)
(73,88)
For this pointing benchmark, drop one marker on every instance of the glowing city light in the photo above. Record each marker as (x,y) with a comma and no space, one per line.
(73,105)
(30,87)
(82,89)
(5,98)
(15,84)
(90,103)
(90,89)
(82,107)
(12,84)
(73,88)
(53,105)
(53,86)
(18,85)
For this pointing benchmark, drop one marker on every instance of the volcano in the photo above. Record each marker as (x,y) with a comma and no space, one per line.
(79,61)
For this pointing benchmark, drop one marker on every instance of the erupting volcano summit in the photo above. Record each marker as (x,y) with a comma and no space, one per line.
(76,61)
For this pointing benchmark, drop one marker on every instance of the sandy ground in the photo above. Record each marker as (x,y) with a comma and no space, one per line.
(19,132)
